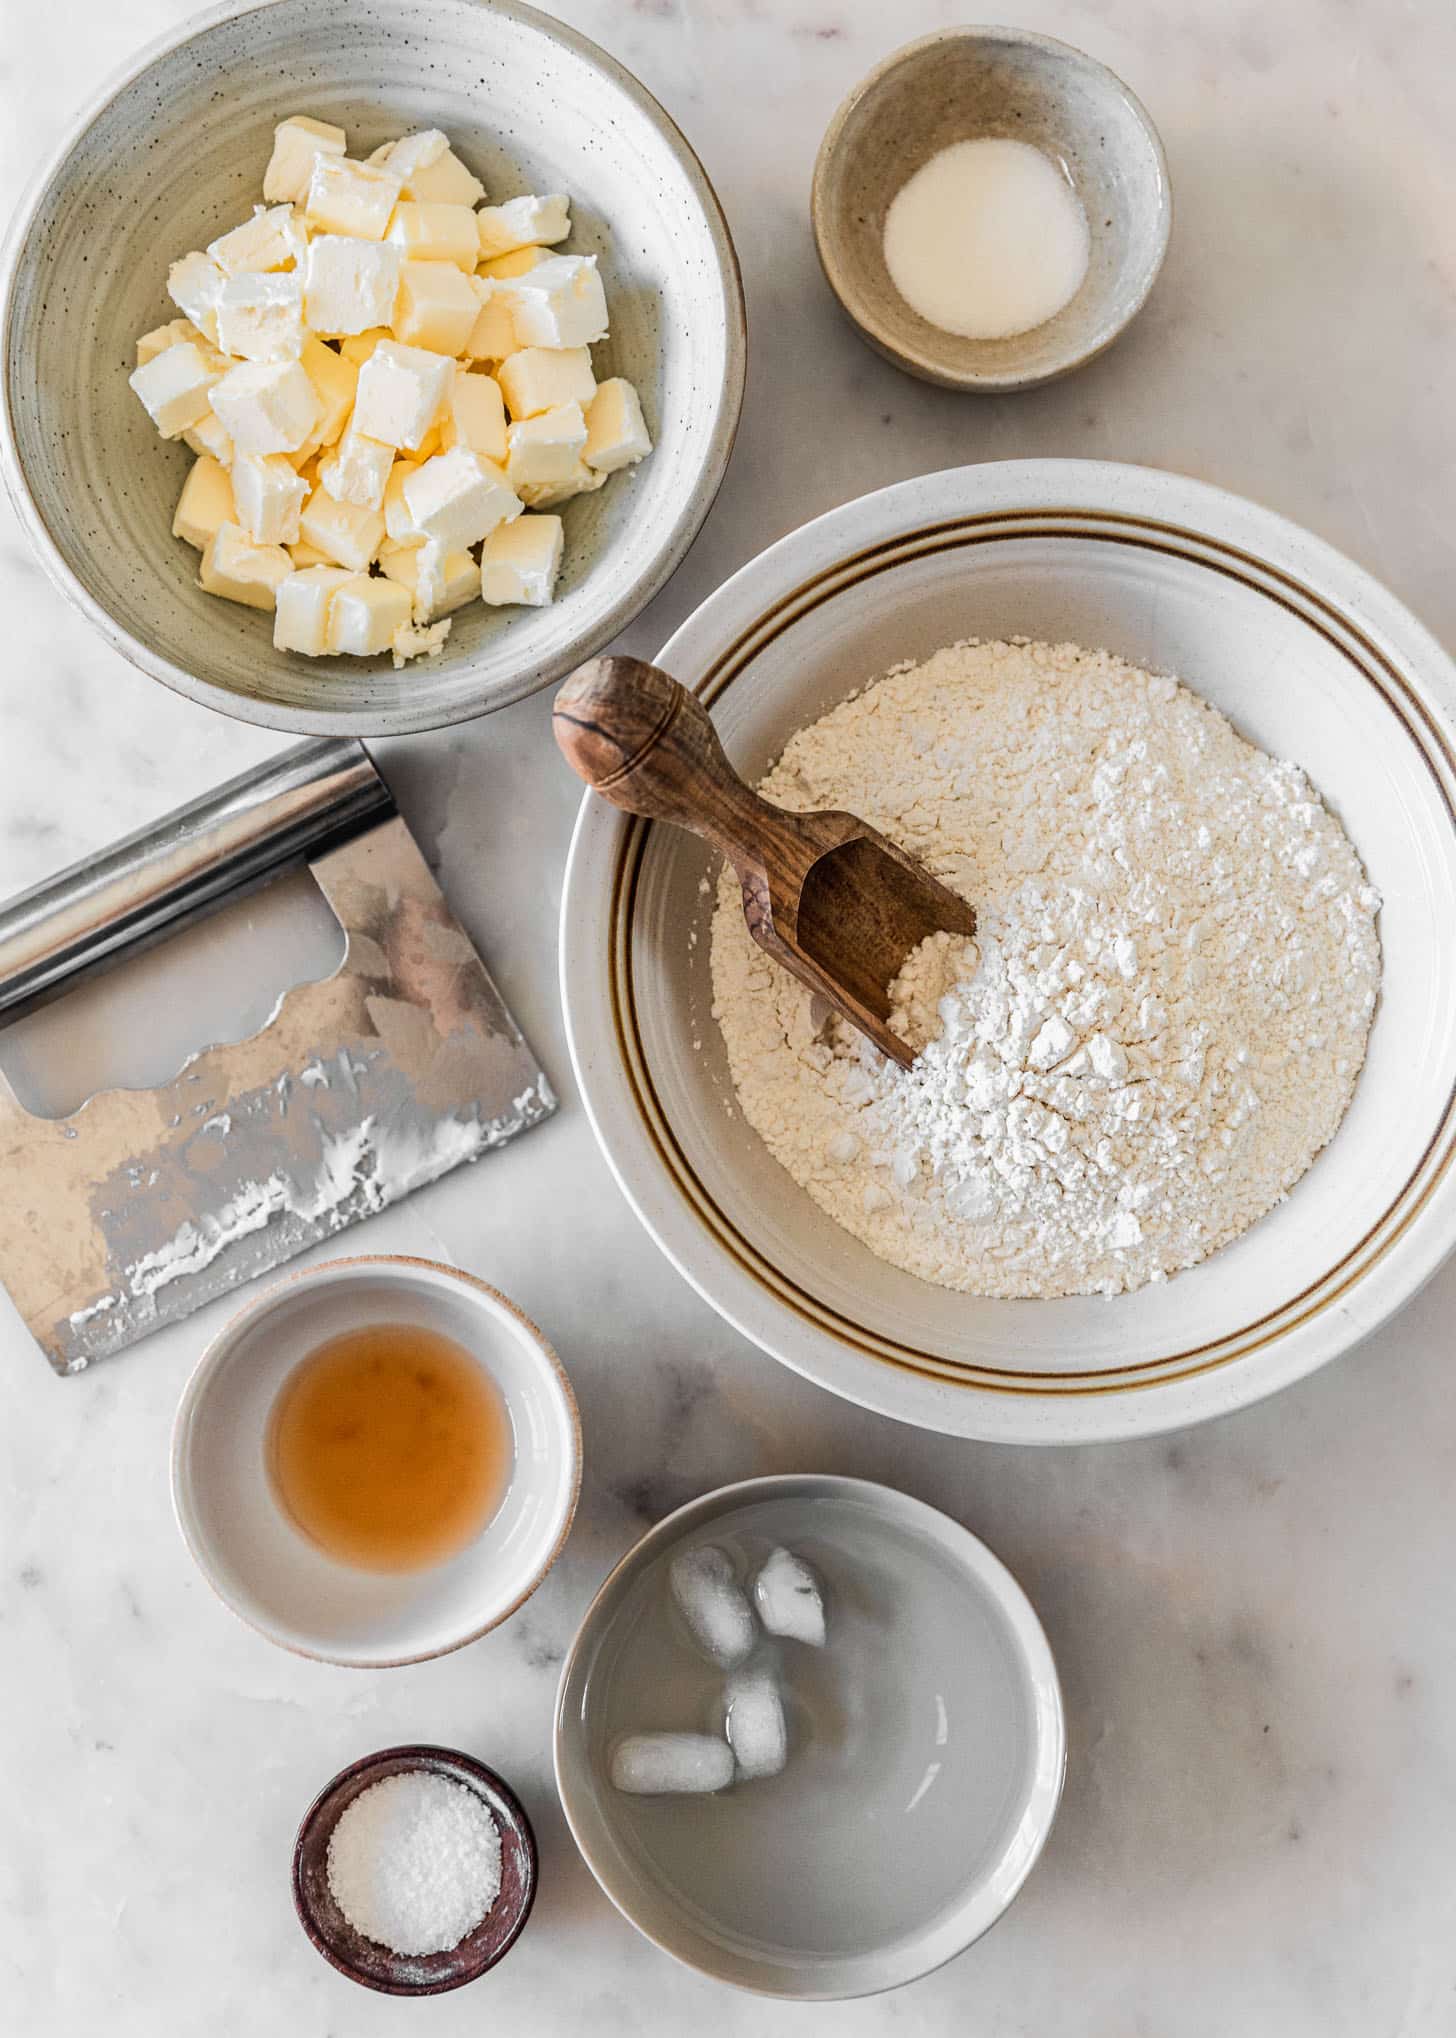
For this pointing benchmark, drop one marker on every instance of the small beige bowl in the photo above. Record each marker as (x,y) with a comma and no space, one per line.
(959,85)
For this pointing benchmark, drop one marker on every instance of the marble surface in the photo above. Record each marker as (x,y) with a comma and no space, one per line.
(1253,1621)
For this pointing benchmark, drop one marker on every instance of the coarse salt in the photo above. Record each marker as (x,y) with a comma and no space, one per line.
(415,1862)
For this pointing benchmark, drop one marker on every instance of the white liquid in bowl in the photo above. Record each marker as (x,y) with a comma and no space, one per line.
(987,239)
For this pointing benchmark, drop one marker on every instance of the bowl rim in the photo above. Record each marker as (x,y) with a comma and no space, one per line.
(891,340)
(219,1347)
(1372,1278)
(400,719)
(1047,1712)
(415,1754)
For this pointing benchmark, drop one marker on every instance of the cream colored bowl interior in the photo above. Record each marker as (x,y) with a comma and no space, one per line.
(177,154)
(1299,675)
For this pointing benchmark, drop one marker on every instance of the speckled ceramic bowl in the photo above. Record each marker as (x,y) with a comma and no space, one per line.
(174,151)
(962,84)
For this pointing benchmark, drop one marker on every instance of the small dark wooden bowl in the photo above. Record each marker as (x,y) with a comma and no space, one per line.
(364,1960)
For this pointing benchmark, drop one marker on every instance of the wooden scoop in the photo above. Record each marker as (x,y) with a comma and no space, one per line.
(824,894)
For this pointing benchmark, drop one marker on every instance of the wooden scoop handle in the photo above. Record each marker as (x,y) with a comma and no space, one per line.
(646,744)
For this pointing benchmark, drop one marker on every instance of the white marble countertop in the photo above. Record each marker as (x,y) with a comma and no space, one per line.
(1253,1621)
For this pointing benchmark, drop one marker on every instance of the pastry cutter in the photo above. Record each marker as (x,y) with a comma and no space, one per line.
(144,1204)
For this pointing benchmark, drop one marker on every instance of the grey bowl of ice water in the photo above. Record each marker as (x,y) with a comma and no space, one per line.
(809,1736)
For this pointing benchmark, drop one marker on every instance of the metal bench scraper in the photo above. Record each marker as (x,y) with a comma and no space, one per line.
(144,1204)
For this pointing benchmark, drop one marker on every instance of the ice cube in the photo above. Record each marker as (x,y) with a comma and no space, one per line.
(754,1723)
(788,1599)
(662,1765)
(711,1601)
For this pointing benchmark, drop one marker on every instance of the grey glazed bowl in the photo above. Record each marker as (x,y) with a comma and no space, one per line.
(174,151)
(966,83)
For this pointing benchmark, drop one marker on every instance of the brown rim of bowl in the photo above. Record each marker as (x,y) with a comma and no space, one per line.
(891,342)
(318,721)
(364,1960)
(1271,582)
(385,1260)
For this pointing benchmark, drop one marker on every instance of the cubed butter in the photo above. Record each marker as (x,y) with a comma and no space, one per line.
(269,496)
(493,336)
(359,346)
(559,303)
(296,143)
(582,480)
(415,640)
(301,617)
(436,307)
(540,378)
(176,386)
(345,534)
(349,284)
(519,262)
(431,172)
(400,391)
(357,470)
(439,581)
(205,503)
(398,522)
(260,317)
(238,570)
(436,233)
(522,223)
(267,407)
(350,198)
(209,436)
(365,613)
(160,338)
(432,442)
(271,239)
(616,433)
(475,417)
(307,555)
(457,498)
(335,383)
(519,562)
(194,285)
(548,447)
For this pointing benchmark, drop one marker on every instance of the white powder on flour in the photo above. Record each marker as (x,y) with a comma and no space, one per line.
(1159,1023)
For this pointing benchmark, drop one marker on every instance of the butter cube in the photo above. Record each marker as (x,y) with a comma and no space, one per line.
(548,447)
(344,532)
(209,437)
(616,434)
(350,198)
(475,417)
(519,562)
(432,442)
(493,335)
(522,223)
(206,502)
(457,498)
(400,390)
(194,285)
(411,640)
(260,318)
(304,556)
(176,386)
(296,143)
(365,613)
(267,407)
(238,570)
(559,303)
(436,307)
(397,520)
(349,284)
(436,233)
(518,263)
(431,172)
(269,496)
(335,383)
(271,239)
(359,346)
(301,618)
(582,480)
(439,581)
(357,470)
(540,378)
(160,338)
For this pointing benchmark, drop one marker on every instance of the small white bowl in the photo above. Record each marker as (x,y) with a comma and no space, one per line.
(927,1748)
(270,1574)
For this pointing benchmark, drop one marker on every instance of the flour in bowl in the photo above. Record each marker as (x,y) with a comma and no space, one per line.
(1159,1023)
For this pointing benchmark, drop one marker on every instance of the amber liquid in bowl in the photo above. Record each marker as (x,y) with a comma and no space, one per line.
(390,1447)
